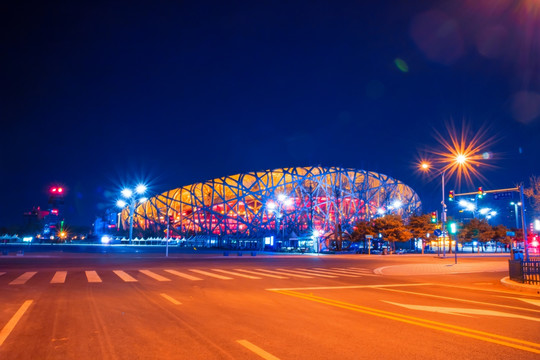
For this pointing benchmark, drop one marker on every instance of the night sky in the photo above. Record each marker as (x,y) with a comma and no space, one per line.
(97,96)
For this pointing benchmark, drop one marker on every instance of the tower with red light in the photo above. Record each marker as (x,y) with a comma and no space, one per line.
(54,220)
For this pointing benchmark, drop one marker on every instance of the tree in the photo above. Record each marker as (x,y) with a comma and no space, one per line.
(392,229)
(501,235)
(477,229)
(533,193)
(419,226)
(361,229)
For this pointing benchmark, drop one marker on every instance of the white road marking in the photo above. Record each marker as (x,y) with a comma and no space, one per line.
(236,274)
(171,299)
(335,272)
(462,311)
(349,287)
(312,272)
(2,273)
(154,276)
(93,276)
(257,350)
(182,275)
(23,278)
(217,276)
(262,274)
(59,277)
(124,276)
(282,273)
(8,328)
(460,300)
(534,302)
(362,272)
(290,272)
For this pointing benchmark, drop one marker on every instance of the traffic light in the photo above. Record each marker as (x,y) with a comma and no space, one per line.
(434,217)
(451,195)
(480,193)
(452,227)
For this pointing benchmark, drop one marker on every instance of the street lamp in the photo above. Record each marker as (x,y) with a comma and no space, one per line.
(516,204)
(277,207)
(129,195)
(455,160)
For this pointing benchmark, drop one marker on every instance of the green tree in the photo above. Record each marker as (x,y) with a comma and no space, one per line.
(478,229)
(392,229)
(361,229)
(533,193)
(500,236)
(419,226)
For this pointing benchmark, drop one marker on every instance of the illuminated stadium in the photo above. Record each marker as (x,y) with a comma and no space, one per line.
(287,203)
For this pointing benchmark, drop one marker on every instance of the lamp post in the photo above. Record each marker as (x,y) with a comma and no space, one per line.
(277,207)
(425,166)
(129,195)
(516,204)
(457,160)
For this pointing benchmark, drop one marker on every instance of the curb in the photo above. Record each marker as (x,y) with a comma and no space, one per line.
(514,285)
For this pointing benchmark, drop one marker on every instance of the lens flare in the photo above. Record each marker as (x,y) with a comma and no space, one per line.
(461,153)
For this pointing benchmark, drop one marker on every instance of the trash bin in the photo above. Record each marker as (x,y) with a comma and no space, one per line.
(239,253)
(253,253)
(225,253)
(385,251)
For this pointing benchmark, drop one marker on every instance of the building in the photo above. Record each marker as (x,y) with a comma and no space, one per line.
(275,203)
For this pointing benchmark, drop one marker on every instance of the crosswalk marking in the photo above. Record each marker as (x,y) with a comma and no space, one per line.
(23,278)
(282,273)
(261,274)
(217,276)
(236,274)
(154,276)
(335,272)
(350,271)
(59,277)
(171,299)
(92,276)
(124,276)
(362,271)
(314,273)
(185,276)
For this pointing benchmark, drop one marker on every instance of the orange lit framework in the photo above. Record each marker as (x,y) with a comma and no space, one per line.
(322,198)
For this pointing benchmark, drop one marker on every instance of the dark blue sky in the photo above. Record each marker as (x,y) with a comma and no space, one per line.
(96,95)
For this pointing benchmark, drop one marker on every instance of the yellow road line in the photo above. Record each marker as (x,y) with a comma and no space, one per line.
(6,330)
(458,330)
(171,299)
(257,350)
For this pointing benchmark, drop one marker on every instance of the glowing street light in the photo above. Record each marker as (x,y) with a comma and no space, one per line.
(516,204)
(461,155)
(128,193)
(277,207)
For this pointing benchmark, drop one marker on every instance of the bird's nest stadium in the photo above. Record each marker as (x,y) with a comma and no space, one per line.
(284,203)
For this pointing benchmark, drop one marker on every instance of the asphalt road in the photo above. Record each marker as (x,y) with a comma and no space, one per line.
(296,307)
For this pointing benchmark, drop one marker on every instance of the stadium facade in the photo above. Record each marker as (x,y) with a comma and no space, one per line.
(284,202)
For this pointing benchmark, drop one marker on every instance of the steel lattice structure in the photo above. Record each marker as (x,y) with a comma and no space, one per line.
(322,198)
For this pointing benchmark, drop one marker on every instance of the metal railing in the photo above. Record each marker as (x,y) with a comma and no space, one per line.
(526,272)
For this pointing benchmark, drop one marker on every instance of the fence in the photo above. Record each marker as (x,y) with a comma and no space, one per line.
(527,272)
